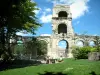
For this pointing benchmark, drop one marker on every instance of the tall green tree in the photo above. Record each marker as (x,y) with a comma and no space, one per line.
(42,47)
(16,15)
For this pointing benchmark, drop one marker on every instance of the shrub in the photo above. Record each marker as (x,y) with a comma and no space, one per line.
(82,52)
(97,48)
(75,52)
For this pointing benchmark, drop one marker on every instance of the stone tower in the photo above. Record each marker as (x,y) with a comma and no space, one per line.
(61,20)
(62,29)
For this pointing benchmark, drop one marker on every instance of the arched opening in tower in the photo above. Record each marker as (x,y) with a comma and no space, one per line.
(62,14)
(63,48)
(62,28)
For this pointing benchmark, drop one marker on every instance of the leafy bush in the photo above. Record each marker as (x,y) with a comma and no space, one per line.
(82,52)
(75,52)
(97,48)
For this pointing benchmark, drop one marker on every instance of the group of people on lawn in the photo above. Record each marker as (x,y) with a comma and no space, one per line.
(50,60)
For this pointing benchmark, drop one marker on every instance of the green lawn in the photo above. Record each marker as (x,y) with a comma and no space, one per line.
(68,67)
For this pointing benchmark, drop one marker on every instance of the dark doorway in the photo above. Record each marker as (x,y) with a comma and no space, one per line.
(62,28)
(62,14)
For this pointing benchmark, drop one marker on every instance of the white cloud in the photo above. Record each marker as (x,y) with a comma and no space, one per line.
(37,11)
(23,33)
(48,9)
(45,35)
(78,7)
(45,18)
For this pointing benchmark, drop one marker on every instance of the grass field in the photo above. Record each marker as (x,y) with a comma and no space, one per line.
(68,67)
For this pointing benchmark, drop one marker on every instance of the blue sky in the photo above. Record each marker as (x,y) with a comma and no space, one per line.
(86,17)
(85,14)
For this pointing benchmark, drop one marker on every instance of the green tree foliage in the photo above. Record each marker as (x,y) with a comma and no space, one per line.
(42,47)
(30,46)
(38,46)
(82,52)
(16,15)
(97,43)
